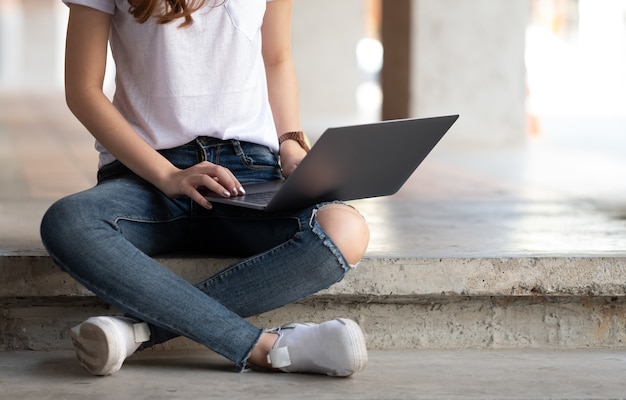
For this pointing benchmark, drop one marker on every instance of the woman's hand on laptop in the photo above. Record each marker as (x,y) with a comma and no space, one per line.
(202,176)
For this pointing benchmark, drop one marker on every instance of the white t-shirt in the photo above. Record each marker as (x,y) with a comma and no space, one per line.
(208,79)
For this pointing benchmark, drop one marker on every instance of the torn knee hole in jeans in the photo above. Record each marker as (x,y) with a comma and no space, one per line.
(336,204)
(317,228)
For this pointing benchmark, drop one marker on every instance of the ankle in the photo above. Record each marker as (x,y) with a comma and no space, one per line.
(259,354)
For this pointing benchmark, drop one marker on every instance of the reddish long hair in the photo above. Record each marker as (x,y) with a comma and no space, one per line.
(165,11)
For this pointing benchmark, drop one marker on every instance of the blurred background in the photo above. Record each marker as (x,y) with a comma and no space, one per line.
(553,66)
(518,71)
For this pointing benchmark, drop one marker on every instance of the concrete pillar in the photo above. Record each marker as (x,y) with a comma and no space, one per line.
(11,22)
(32,35)
(396,73)
(468,58)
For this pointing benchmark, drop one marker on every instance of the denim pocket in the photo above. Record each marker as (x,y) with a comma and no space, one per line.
(246,15)
(257,163)
(255,156)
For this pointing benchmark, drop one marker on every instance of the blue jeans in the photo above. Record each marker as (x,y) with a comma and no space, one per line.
(105,238)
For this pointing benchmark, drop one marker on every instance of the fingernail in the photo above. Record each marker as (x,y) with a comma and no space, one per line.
(241,190)
(226,193)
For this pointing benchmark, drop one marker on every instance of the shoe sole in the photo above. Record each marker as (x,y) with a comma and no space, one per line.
(356,341)
(96,348)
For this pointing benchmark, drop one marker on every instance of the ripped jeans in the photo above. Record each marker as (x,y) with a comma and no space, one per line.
(105,238)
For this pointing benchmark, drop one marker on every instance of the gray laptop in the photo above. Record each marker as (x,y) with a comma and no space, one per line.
(349,163)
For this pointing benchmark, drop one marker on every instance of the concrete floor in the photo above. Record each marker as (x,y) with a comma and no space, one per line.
(413,374)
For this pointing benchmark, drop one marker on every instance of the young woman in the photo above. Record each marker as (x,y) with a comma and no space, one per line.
(206,99)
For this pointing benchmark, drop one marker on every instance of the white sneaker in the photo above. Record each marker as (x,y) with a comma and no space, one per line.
(335,348)
(103,343)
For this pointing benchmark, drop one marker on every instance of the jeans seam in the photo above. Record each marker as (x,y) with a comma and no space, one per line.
(146,221)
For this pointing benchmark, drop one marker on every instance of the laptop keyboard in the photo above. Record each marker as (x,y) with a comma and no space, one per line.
(259,198)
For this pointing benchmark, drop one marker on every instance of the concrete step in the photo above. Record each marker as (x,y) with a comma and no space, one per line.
(524,302)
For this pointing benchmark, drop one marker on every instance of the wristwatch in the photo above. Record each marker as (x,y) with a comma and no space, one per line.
(298,136)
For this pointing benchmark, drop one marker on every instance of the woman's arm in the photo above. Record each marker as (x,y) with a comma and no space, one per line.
(281,79)
(85,63)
